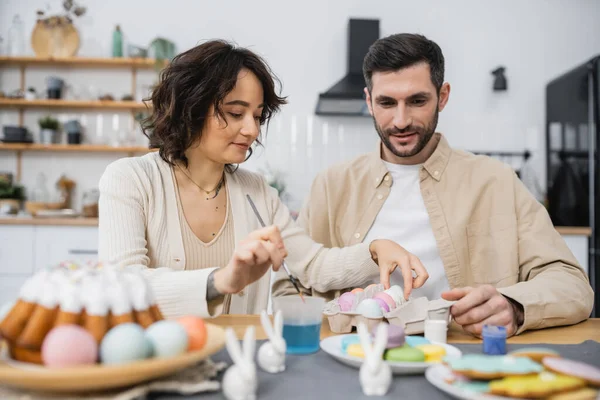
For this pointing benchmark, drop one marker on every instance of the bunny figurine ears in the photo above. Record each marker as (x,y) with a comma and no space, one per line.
(240,382)
(271,355)
(375,375)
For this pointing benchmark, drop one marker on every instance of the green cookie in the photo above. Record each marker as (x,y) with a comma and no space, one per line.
(406,354)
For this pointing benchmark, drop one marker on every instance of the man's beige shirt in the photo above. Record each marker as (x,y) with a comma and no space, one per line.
(489,229)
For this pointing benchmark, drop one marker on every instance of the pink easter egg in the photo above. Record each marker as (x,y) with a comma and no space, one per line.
(69,345)
(345,301)
(356,290)
(383,305)
(387,298)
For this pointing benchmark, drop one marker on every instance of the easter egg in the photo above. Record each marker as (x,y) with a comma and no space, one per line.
(355,350)
(346,300)
(387,298)
(405,354)
(357,290)
(384,307)
(169,338)
(124,343)
(68,346)
(433,352)
(369,308)
(196,331)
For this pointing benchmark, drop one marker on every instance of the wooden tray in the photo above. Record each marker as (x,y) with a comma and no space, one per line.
(101,377)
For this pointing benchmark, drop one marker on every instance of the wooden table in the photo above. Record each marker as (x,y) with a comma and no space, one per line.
(574,334)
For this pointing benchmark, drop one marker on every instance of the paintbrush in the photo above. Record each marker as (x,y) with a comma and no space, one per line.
(283,264)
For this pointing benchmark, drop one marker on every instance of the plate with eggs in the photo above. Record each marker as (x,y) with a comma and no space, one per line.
(127,355)
(405,354)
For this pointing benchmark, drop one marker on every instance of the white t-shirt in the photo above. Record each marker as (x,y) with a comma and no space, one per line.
(404,219)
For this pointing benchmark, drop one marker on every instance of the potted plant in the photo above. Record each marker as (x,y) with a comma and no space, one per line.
(11,196)
(49,130)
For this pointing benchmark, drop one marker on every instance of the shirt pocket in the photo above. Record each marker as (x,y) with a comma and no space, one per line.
(493,250)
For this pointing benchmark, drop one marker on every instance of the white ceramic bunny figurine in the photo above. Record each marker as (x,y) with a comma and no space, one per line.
(240,382)
(375,375)
(271,355)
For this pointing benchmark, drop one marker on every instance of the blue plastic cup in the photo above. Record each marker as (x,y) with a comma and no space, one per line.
(301,322)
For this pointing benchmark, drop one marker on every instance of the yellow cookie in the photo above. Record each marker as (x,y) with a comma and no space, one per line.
(580,394)
(433,352)
(541,385)
(355,350)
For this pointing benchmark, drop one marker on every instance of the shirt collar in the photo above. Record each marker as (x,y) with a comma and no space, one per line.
(435,165)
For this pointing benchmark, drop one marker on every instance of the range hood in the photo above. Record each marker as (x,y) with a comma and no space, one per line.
(346,97)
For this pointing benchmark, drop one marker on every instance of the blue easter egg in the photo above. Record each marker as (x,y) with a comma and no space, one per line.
(414,341)
(168,338)
(124,343)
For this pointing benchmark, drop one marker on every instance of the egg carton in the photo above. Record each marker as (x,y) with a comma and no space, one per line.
(411,315)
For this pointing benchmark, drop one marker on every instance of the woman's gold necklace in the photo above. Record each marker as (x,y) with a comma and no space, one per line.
(217,188)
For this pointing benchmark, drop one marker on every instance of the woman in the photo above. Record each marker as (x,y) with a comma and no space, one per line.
(177,214)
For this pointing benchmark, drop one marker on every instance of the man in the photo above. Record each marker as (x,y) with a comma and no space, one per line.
(469,219)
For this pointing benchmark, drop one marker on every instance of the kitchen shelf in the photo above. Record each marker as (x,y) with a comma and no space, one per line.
(89,148)
(78,221)
(574,230)
(95,104)
(80,62)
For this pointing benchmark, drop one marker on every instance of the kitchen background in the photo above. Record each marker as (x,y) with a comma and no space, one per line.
(306,44)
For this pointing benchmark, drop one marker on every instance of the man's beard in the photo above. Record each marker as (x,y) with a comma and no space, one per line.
(424,133)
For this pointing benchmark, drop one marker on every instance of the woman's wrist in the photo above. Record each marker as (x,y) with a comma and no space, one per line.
(214,285)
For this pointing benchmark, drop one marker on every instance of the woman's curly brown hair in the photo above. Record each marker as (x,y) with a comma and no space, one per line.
(190,84)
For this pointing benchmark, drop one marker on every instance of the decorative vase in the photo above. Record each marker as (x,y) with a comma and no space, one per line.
(48,136)
(54,38)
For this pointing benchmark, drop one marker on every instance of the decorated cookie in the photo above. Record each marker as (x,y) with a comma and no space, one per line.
(536,386)
(414,341)
(534,353)
(478,366)
(473,386)
(572,368)
(405,354)
(433,352)
(348,340)
(580,394)
(355,350)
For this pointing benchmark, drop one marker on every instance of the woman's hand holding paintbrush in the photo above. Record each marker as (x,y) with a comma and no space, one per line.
(252,258)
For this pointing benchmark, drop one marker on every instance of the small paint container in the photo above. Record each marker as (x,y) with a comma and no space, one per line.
(436,330)
(494,340)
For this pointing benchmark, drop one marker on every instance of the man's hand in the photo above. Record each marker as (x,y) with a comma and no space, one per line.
(484,305)
(390,255)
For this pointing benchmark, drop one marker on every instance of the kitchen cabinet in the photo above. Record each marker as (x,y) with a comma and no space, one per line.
(25,249)
(54,244)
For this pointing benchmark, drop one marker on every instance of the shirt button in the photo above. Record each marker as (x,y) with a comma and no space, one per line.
(241,294)
(387,178)
(436,173)
(357,235)
(379,196)
(177,259)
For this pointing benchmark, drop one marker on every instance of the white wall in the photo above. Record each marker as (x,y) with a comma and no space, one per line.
(305,43)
